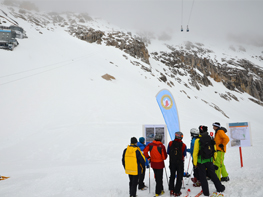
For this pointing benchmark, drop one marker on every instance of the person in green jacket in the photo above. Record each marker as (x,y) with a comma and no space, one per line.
(204,152)
(133,161)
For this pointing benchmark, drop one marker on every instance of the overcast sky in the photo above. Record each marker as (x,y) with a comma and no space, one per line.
(208,17)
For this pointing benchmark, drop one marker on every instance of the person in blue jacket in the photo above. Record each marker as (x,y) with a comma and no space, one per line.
(141,145)
(194,133)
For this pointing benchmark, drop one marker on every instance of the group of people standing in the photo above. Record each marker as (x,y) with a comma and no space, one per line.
(207,158)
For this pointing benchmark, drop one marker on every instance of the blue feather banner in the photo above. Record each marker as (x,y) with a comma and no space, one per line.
(168,108)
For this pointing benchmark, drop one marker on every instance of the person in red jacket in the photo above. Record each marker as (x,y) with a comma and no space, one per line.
(157,156)
(177,151)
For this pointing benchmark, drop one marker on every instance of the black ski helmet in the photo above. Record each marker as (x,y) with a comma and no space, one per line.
(179,135)
(134,140)
(158,137)
(202,129)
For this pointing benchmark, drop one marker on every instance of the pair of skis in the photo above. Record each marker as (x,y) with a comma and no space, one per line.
(213,195)
(3,178)
(188,193)
(199,194)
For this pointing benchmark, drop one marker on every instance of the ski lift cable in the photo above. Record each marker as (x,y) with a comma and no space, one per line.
(191,12)
(63,64)
(182,12)
(49,65)
(25,71)
(1,84)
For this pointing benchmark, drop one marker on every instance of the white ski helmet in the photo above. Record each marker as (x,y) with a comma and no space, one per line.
(194,132)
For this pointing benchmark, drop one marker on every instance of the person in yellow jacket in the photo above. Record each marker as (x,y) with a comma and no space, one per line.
(133,161)
(221,140)
(203,154)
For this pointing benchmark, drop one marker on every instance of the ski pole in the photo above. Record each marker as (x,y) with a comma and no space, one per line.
(188,163)
(183,184)
(166,175)
(189,177)
(149,177)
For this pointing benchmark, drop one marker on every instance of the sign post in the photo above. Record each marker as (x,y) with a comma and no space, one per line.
(240,136)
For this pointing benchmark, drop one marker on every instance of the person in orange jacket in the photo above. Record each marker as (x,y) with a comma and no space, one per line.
(157,156)
(221,140)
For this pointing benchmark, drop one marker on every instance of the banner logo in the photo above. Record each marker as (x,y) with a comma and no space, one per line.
(166,102)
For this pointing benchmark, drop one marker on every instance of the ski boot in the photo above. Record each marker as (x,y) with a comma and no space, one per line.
(214,194)
(194,180)
(225,179)
(178,194)
(162,192)
(197,184)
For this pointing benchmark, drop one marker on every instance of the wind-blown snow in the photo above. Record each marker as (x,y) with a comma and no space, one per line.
(63,127)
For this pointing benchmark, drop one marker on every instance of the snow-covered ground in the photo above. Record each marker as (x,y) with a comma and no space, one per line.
(63,127)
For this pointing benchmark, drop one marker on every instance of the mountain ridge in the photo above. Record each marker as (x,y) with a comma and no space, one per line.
(199,63)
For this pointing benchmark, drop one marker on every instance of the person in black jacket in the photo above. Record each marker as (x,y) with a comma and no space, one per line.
(177,151)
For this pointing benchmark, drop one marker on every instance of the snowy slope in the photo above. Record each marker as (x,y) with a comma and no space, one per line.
(63,127)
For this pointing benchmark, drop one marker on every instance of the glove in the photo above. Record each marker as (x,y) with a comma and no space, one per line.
(149,159)
(221,146)
(216,167)
(147,166)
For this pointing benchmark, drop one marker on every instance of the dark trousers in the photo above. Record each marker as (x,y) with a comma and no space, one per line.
(133,184)
(141,179)
(209,167)
(158,173)
(196,173)
(179,170)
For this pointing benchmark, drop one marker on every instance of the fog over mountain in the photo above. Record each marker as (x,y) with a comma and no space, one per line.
(232,19)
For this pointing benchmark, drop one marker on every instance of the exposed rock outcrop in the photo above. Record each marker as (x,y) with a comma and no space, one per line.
(130,45)
(241,76)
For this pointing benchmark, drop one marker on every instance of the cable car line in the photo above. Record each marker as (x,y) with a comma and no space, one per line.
(182,16)
(187,26)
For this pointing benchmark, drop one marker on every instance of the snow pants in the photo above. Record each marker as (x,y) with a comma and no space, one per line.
(196,173)
(179,170)
(159,180)
(209,167)
(133,184)
(219,162)
(141,179)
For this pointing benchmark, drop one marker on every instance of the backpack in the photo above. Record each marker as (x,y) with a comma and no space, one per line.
(175,153)
(224,129)
(207,148)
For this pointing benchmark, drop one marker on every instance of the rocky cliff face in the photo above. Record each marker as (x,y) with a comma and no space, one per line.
(123,41)
(241,76)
